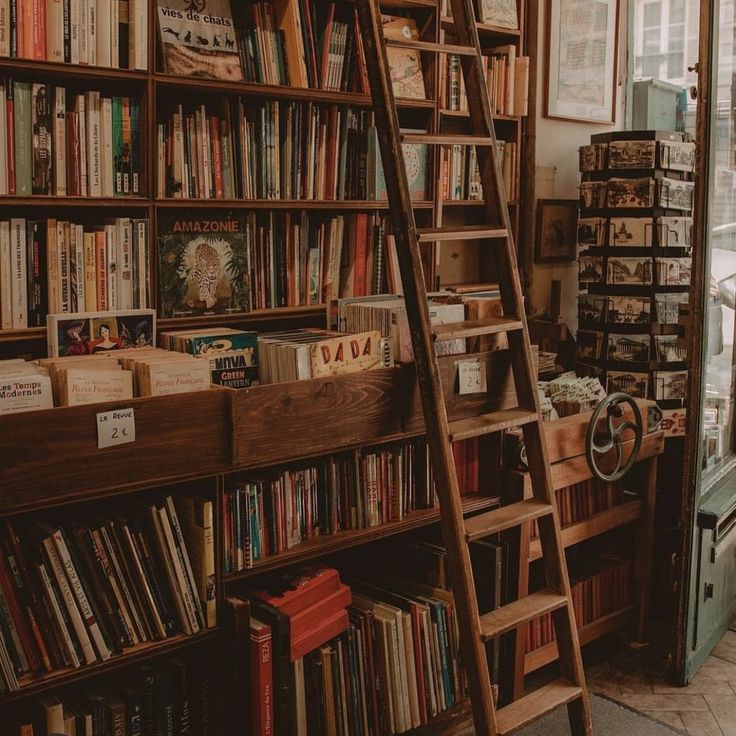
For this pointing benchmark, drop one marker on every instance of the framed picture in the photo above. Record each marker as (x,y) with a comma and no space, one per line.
(557,225)
(582,46)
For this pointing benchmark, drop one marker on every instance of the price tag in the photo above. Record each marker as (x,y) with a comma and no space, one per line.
(471,377)
(115,428)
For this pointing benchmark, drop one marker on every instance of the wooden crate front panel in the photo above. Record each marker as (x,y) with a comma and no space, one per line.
(50,455)
(500,394)
(286,421)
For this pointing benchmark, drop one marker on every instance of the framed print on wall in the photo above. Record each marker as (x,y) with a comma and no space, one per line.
(582,47)
(557,224)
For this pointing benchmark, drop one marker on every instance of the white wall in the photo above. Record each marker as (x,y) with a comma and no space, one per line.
(557,175)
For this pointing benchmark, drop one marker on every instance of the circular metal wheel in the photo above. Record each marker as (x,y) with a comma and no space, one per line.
(611,438)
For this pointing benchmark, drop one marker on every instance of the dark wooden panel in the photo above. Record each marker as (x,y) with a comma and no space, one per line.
(45,456)
(500,394)
(277,423)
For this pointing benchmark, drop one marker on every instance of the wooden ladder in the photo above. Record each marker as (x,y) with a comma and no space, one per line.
(476,630)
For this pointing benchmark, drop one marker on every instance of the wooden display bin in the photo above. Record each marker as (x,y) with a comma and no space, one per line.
(280,423)
(52,456)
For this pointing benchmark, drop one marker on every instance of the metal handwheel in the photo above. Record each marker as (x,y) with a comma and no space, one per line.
(602,442)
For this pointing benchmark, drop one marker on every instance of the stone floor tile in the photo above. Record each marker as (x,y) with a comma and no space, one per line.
(672,702)
(723,708)
(726,647)
(701,724)
(667,717)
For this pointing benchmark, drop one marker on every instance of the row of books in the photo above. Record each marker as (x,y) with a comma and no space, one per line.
(357,490)
(605,586)
(58,266)
(303,44)
(392,665)
(253,260)
(81,592)
(581,500)
(277,149)
(460,175)
(507,80)
(177,695)
(55,141)
(103,33)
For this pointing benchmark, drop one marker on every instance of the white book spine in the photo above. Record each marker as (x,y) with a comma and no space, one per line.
(138,55)
(83,32)
(3,140)
(79,267)
(107,159)
(81,595)
(183,588)
(103,37)
(111,247)
(19,287)
(94,145)
(59,141)
(141,243)
(114,34)
(81,109)
(68,645)
(4,27)
(54,30)
(68,599)
(6,270)
(92,32)
(125,269)
(62,243)
(74,30)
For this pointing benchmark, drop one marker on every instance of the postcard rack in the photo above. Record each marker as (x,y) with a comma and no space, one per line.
(635,236)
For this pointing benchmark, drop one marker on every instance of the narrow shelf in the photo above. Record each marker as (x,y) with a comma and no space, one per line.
(590,632)
(31,686)
(74,71)
(486,31)
(463,114)
(593,526)
(44,200)
(344,540)
(286,92)
(472,203)
(286,204)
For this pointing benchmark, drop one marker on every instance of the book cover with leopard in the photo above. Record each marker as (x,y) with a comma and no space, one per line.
(198,39)
(204,263)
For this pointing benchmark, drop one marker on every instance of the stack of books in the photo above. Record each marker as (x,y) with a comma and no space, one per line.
(89,589)
(60,142)
(58,266)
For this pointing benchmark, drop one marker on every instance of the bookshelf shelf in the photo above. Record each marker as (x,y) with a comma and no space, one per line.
(542,656)
(43,200)
(135,655)
(171,82)
(486,32)
(344,540)
(286,204)
(593,526)
(463,115)
(61,70)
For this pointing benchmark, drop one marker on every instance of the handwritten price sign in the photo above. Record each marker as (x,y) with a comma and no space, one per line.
(471,377)
(115,428)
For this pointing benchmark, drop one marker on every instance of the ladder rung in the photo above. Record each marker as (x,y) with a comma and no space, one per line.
(475,327)
(494,421)
(438,48)
(519,612)
(505,517)
(470,232)
(447,139)
(536,704)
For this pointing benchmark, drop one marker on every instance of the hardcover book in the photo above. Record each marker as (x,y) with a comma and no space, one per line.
(203,264)
(405,65)
(199,39)
(498,13)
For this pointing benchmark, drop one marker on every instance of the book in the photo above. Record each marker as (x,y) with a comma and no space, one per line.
(261,658)
(199,40)
(405,65)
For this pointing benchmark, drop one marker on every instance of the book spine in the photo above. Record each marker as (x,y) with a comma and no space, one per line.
(52,268)
(74,31)
(83,30)
(139,35)
(111,273)
(104,19)
(19,290)
(82,146)
(94,144)
(101,270)
(90,273)
(55,30)
(23,138)
(261,662)
(91,32)
(117,146)
(4,27)
(79,276)
(42,136)
(62,620)
(6,271)
(59,137)
(107,161)
(62,241)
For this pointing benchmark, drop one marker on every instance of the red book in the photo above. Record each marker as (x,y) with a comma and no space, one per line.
(101,269)
(216,156)
(361,247)
(302,623)
(320,634)
(38,32)
(261,691)
(297,591)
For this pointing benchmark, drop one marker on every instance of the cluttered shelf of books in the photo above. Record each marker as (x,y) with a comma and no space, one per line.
(107,122)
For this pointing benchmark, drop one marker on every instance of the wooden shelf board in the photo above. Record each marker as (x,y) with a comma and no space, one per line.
(485,30)
(62,69)
(590,632)
(285,204)
(466,115)
(45,200)
(456,719)
(33,686)
(256,89)
(472,203)
(593,526)
(343,540)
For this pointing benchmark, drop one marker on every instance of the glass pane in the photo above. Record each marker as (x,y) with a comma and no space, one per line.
(652,14)
(719,373)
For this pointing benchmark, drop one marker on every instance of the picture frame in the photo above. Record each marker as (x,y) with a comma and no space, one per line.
(582,54)
(557,230)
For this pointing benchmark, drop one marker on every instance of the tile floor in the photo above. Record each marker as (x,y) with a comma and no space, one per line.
(706,707)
